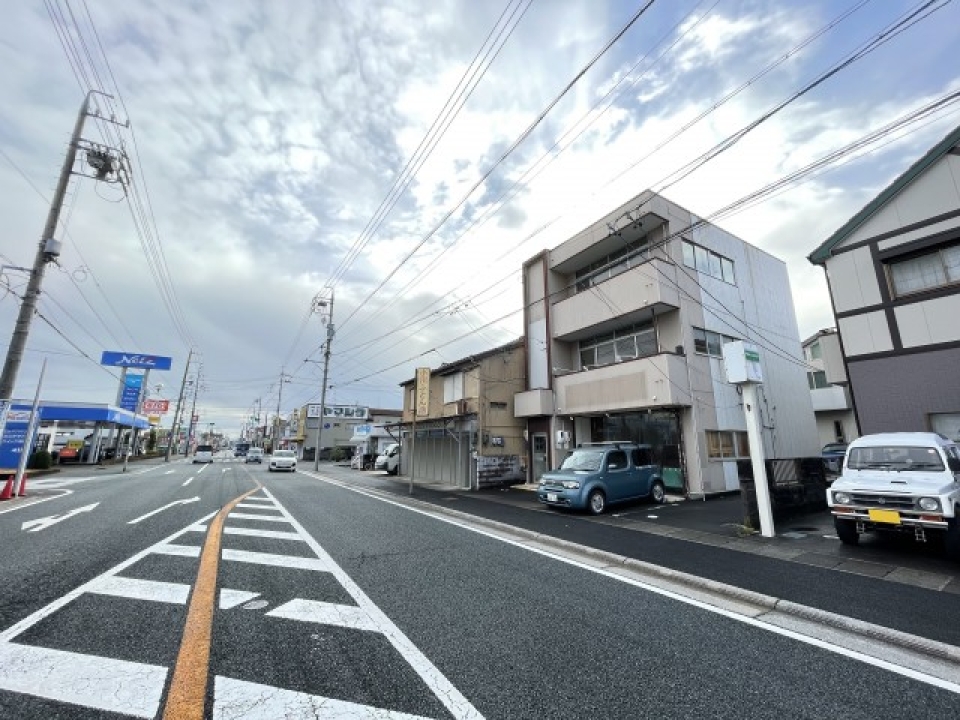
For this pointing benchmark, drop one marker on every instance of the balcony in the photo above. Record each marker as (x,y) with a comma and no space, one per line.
(830,398)
(533,403)
(652,382)
(632,296)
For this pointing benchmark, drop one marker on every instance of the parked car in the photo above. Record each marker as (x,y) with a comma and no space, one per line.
(595,476)
(283,460)
(833,454)
(203,454)
(389,459)
(899,483)
(254,455)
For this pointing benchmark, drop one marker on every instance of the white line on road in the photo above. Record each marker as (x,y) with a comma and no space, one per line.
(169,472)
(188,481)
(442,688)
(919,675)
(161,509)
(231,598)
(260,558)
(178,550)
(276,534)
(256,506)
(119,686)
(43,523)
(35,501)
(241,700)
(137,589)
(253,516)
(324,613)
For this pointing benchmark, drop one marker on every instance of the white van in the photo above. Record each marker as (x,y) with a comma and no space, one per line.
(203,454)
(389,459)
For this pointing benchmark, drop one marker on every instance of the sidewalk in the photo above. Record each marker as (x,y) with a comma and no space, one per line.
(807,539)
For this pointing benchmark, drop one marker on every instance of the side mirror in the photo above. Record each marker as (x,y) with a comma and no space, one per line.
(954,464)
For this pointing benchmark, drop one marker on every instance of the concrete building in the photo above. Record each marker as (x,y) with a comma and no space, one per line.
(463,430)
(339,425)
(893,271)
(625,324)
(829,388)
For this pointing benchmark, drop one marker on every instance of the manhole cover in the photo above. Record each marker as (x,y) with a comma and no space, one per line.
(255,605)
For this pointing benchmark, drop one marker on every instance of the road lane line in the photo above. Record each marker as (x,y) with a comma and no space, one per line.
(252,516)
(231,598)
(37,501)
(185,501)
(261,558)
(188,481)
(248,506)
(241,700)
(439,685)
(179,550)
(324,613)
(138,589)
(119,686)
(188,685)
(252,532)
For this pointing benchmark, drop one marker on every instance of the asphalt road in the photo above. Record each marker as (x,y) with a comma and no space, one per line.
(330,603)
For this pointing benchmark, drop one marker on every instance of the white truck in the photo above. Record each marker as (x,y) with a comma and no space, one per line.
(899,482)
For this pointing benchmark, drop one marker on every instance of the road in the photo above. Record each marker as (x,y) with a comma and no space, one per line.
(260,595)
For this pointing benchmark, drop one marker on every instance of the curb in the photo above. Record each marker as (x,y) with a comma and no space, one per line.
(898,638)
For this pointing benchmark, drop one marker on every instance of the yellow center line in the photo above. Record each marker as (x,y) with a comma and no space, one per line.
(188,687)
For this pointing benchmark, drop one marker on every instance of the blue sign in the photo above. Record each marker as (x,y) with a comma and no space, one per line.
(15,436)
(132,385)
(122,359)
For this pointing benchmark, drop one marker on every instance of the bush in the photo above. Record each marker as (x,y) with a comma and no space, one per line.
(40,460)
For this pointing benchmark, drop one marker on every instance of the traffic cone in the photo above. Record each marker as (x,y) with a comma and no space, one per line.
(7,489)
(23,486)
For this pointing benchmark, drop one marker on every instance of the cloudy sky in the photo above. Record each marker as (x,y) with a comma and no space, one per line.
(270,146)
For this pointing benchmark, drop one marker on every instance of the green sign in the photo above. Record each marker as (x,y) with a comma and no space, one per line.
(751,355)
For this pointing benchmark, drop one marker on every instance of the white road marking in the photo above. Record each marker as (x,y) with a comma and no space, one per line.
(251,516)
(35,501)
(187,501)
(241,700)
(919,675)
(276,534)
(188,481)
(169,472)
(256,506)
(323,613)
(260,558)
(259,499)
(138,589)
(442,688)
(118,686)
(43,523)
(179,550)
(231,598)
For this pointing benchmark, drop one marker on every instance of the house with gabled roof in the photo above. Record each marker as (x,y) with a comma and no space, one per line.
(893,272)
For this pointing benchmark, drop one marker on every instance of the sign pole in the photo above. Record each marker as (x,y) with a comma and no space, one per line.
(18,481)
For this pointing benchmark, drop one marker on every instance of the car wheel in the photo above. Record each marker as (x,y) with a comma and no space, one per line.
(846,531)
(951,539)
(269,469)
(597,502)
(657,492)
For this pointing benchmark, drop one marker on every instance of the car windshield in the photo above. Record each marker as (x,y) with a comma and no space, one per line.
(835,448)
(283,453)
(895,458)
(583,460)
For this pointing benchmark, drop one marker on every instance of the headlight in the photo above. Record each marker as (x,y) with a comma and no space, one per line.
(842,498)
(928,504)
(571,484)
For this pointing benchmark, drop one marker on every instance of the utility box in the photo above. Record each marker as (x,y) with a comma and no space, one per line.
(742,362)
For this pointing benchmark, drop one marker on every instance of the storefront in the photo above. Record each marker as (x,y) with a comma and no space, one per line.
(660,429)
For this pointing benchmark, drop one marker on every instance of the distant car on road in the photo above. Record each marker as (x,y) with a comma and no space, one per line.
(203,454)
(254,455)
(283,460)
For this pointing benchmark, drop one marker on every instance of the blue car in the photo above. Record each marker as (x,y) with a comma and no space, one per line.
(595,476)
(833,454)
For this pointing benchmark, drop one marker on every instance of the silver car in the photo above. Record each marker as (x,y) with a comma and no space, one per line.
(283,460)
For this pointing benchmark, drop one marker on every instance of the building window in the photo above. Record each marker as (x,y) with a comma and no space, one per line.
(727,445)
(498,406)
(453,388)
(628,343)
(619,261)
(709,343)
(814,352)
(937,268)
(817,379)
(708,262)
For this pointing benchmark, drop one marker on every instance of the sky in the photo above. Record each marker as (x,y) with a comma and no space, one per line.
(285,151)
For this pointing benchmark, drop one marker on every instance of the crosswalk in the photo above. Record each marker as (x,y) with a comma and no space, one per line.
(288,590)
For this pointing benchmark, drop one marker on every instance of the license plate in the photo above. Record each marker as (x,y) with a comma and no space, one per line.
(551,497)
(891,517)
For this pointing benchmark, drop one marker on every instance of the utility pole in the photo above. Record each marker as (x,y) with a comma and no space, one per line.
(324,307)
(276,420)
(175,428)
(105,164)
(193,410)
(256,435)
